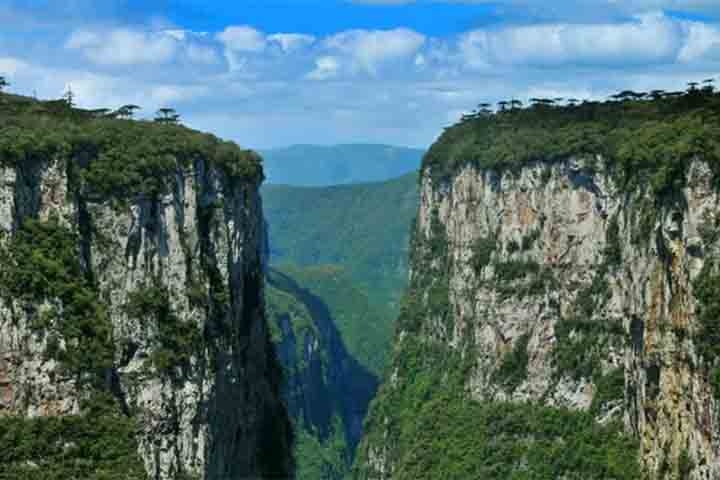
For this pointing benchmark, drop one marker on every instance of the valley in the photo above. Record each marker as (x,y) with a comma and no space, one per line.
(337,272)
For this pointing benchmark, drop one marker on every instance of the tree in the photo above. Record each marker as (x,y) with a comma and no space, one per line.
(3,83)
(628,95)
(167,116)
(69,97)
(101,113)
(515,104)
(692,86)
(708,85)
(657,94)
(503,105)
(127,111)
(485,110)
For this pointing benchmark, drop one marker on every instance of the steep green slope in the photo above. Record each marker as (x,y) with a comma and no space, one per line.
(327,389)
(365,328)
(316,165)
(365,228)
(339,260)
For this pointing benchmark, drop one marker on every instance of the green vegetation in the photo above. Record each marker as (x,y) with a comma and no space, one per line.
(521,277)
(321,460)
(339,261)
(583,341)
(281,302)
(98,444)
(685,465)
(529,240)
(608,388)
(108,160)
(513,369)
(115,159)
(326,389)
(647,142)
(425,418)
(613,250)
(177,341)
(512,270)
(318,166)
(355,239)
(706,288)
(40,265)
(456,438)
(363,326)
(707,292)
(435,431)
(483,248)
(363,228)
(709,229)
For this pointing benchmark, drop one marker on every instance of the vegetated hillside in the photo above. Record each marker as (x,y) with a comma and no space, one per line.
(338,267)
(327,389)
(365,328)
(364,228)
(561,314)
(131,315)
(316,165)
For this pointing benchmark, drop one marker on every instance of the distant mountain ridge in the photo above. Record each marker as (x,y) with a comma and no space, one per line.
(318,165)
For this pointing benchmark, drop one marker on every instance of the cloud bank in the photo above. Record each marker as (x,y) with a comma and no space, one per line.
(396,85)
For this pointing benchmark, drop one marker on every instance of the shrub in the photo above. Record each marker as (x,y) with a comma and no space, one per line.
(98,444)
(482,249)
(40,264)
(177,341)
(514,367)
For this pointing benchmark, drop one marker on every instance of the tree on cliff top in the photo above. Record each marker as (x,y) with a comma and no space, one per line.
(168,116)
(127,111)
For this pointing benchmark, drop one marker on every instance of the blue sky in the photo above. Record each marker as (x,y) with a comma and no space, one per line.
(276,72)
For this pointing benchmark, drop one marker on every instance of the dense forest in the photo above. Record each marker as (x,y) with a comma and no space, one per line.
(643,135)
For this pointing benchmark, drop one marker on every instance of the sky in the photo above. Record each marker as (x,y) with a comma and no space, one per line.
(271,73)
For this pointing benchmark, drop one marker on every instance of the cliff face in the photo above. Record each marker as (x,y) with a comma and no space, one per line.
(177,278)
(554,286)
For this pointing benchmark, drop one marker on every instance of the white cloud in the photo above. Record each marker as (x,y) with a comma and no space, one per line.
(168,94)
(650,38)
(124,47)
(11,66)
(242,39)
(367,49)
(325,68)
(179,35)
(573,8)
(290,42)
(201,54)
(702,41)
(387,86)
